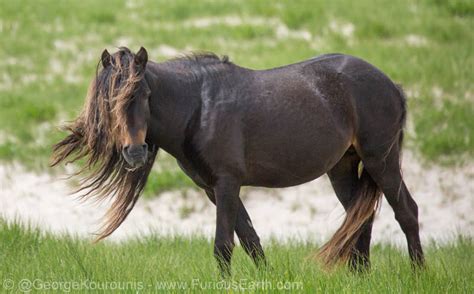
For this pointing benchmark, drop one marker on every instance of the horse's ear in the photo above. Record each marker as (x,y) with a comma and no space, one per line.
(141,57)
(105,58)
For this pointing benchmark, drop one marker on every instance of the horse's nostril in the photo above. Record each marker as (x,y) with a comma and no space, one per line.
(145,146)
(125,148)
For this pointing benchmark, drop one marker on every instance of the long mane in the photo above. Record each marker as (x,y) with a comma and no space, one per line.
(93,139)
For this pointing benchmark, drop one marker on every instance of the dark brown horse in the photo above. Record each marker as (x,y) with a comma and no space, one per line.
(230,126)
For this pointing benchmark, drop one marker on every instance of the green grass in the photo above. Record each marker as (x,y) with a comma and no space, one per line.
(50,50)
(167,263)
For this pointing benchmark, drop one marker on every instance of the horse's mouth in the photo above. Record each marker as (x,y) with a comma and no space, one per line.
(135,162)
(134,167)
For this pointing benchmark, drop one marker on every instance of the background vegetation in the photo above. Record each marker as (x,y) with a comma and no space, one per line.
(50,50)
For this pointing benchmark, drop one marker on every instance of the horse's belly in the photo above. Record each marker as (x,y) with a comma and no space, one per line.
(291,164)
(277,176)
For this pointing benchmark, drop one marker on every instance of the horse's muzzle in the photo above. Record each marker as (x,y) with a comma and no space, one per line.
(135,155)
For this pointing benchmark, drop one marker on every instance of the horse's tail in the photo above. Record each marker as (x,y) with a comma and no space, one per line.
(340,247)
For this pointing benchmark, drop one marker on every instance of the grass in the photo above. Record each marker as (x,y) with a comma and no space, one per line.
(50,50)
(157,263)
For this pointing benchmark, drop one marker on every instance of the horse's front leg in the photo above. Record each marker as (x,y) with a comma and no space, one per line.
(246,232)
(226,191)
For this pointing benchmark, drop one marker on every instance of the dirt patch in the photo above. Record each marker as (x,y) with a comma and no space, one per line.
(309,212)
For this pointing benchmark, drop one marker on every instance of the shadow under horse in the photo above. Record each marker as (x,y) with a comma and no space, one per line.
(230,126)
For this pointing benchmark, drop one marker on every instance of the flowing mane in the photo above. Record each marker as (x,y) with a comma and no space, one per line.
(93,138)
(201,64)
(203,58)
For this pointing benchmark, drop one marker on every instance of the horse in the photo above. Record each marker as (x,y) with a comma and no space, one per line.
(229,126)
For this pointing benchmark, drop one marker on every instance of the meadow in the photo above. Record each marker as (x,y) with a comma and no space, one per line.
(49,53)
(38,262)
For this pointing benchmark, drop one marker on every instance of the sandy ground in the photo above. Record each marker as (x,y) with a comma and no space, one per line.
(308,212)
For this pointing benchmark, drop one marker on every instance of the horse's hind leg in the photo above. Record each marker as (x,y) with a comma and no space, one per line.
(246,233)
(344,179)
(385,170)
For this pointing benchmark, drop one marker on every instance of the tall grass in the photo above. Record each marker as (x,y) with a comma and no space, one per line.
(157,263)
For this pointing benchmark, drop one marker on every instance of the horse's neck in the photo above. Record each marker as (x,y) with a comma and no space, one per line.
(175,98)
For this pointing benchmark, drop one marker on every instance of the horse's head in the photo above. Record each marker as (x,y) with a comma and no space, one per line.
(110,135)
(129,95)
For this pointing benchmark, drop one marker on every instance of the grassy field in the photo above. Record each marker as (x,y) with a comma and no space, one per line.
(48,55)
(41,262)
(50,50)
